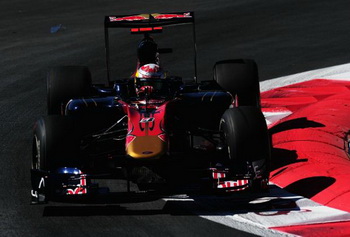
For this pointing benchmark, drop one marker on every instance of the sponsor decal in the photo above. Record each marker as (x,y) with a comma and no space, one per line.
(163,137)
(218,174)
(34,193)
(147,152)
(147,120)
(81,189)
(41,183)
(171,16)
(157,16)
(129,18)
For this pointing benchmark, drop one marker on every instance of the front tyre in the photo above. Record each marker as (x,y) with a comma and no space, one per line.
(246,136)
(55,145)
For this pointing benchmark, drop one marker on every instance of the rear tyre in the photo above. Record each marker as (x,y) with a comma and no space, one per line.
(246,136)
(240,78)
(65,83)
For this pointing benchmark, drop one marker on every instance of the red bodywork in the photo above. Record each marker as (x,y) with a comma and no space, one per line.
(146,137)
(171,16)
(129,18)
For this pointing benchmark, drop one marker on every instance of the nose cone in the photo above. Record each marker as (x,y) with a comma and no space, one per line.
(144,147)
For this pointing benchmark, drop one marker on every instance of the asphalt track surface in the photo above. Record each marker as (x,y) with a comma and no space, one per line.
(284,37)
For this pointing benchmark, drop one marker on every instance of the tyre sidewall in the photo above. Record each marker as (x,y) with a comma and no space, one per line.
(58,143)
(246,137)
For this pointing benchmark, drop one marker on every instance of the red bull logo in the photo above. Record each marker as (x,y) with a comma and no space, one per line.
(129,18)
(171,16)
(80,189)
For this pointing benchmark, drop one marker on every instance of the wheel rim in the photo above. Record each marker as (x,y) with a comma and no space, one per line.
(224,137)
(36,153)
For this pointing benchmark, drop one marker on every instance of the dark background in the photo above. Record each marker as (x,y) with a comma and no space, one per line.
(284,37)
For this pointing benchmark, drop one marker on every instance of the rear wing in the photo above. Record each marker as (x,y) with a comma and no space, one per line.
(148,23)
(149,20)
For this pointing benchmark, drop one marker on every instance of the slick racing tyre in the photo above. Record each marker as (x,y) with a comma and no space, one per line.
(240,78)
(65,83)
(55,144)
(246,136)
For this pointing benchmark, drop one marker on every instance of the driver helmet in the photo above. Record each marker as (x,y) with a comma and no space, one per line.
(150,78)
(147,51)
(150,70)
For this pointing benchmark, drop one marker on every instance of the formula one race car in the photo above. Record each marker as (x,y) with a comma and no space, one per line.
(150,127)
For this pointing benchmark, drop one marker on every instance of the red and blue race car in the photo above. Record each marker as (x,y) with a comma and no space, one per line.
(151,127)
